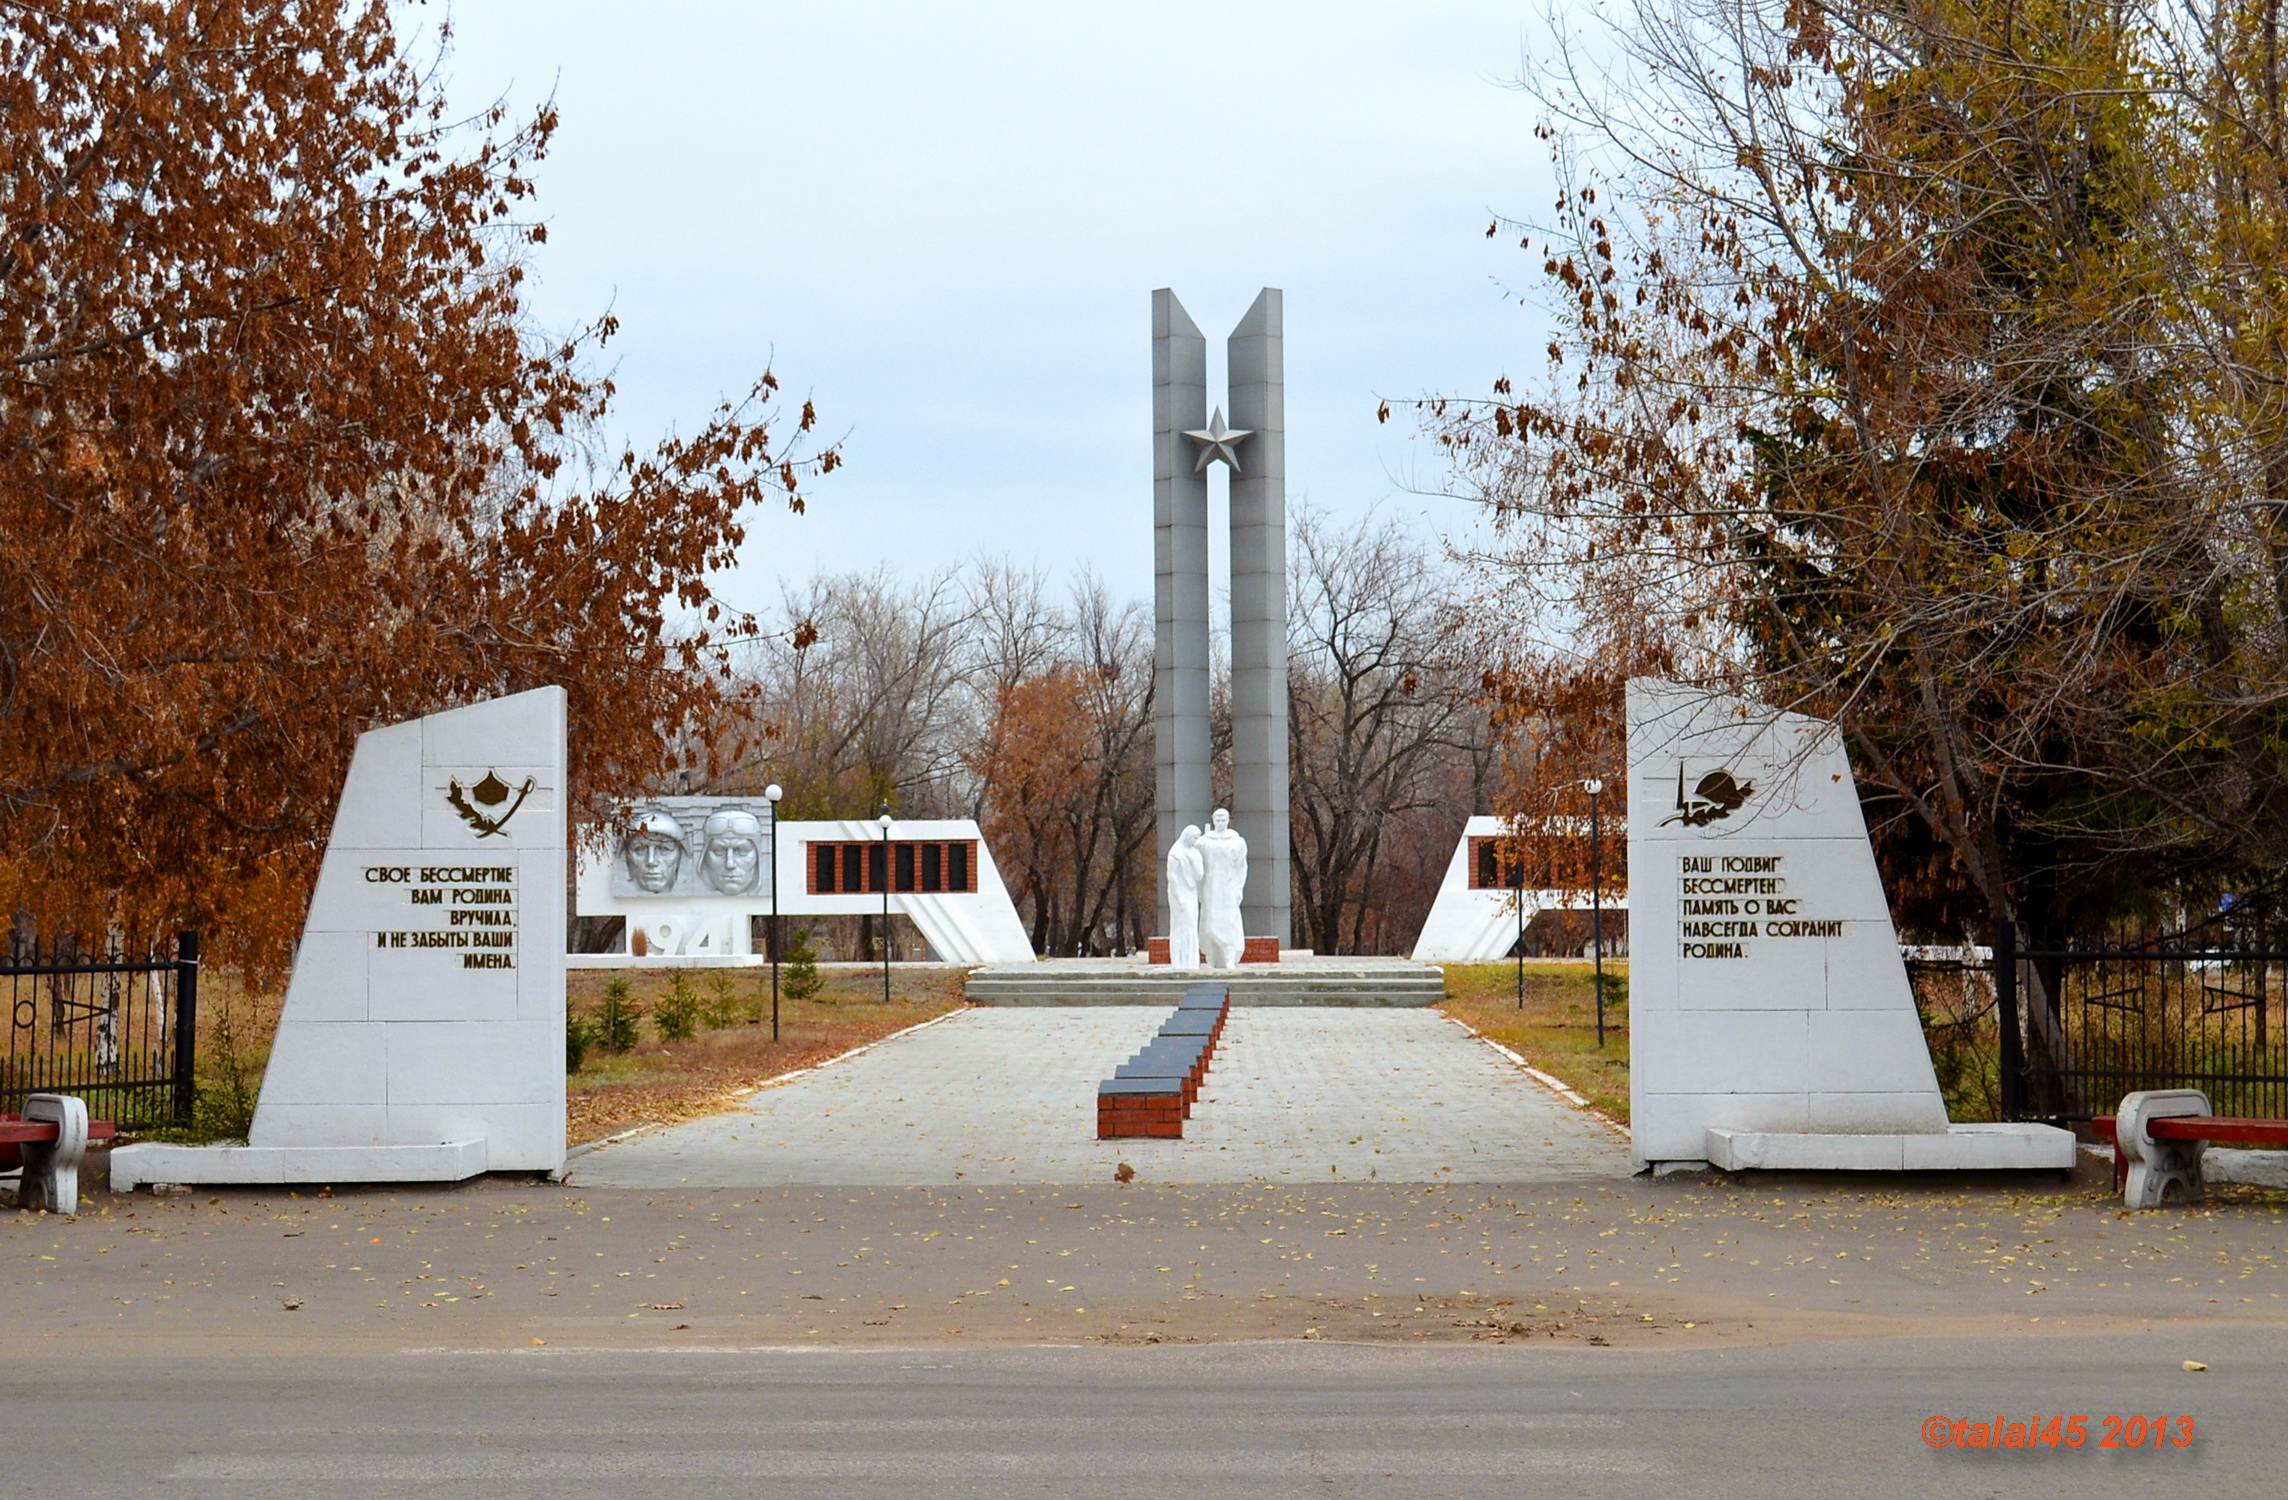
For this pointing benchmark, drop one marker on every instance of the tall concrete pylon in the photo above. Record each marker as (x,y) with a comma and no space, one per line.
(1253,446)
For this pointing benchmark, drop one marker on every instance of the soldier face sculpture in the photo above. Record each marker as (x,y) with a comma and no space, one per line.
(734,860)
(653,852)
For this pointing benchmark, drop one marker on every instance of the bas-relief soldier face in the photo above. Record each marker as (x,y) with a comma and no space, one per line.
(653,860)
(733,861)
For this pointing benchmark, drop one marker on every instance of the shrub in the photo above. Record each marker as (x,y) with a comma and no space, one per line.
(1616,990)
(580,1034)
(801,981)
(676,1016)
(724,1007)
(621,1018)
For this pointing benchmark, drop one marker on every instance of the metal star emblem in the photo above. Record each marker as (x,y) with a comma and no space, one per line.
(1219,442)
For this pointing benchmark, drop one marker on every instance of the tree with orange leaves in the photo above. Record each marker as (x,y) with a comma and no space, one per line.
(281,459)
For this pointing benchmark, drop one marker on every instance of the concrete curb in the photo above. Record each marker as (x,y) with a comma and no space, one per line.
(1557,1086)
(575,1152)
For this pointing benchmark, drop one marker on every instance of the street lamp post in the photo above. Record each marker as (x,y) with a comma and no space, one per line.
(771,794)
(1517,898)
(1597,901)
(885,822)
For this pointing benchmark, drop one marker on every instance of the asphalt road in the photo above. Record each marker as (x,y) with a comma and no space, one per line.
(1246,1419)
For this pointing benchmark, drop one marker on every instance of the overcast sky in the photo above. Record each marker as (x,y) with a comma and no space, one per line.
(944,223)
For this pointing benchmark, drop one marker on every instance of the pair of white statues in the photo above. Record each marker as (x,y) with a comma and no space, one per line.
(1206,874)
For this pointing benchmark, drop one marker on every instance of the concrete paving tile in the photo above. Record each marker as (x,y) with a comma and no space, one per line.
(1008,1095)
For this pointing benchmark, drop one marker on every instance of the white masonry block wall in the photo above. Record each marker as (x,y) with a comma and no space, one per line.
(1771,1022)
(1766,992)
(423,1032)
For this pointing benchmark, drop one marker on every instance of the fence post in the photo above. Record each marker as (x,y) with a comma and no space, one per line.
(186,1024)
(2006,1007)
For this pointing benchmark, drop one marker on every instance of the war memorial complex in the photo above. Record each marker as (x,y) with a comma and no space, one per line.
(1220,1139)
(423,1029)
(1678,890)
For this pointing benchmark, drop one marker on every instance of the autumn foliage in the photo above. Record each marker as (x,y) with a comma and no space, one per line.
(283,458)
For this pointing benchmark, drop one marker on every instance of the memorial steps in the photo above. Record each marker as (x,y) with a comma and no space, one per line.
(1293,981)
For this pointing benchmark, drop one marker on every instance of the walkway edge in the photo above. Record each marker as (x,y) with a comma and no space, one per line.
(769,1083)
(1557,1086)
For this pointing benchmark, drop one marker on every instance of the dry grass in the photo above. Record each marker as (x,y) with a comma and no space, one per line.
(655,1082)
(660,1082)
(1556,1030)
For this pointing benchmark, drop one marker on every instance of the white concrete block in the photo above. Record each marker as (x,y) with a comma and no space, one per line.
(1793,978)
(384,781)
(1744,1150)
(1674,1127)
(2265,1169)
(302,1127)
(1871,1052)
(1877,1113)
(137,1165)
(408,987)
(475,1062)
(325,1062)
(528,1138)
(1757,902)
(1987,1147)
(1958,1148)
(146,1162)
(329,978)
(1719,1052)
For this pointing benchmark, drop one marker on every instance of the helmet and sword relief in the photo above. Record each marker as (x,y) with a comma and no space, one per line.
(1715,796)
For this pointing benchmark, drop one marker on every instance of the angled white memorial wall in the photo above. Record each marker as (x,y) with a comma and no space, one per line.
(1470,923)
(1771,1023)
(692,874)
(423,1033)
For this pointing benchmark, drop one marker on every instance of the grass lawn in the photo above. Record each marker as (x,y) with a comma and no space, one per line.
(658,1081)
(1556,1030)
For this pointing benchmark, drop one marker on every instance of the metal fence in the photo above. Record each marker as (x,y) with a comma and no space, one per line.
(119,1030)
(2080,1027)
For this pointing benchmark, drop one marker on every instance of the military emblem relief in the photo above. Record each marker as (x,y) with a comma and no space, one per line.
(489,804)
(1713,798)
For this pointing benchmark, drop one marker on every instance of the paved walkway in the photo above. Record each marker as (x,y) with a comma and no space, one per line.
(1297,1095)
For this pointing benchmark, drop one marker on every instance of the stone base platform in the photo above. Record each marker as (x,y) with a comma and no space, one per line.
(1293,981)
(1961,1148)
(147,1162)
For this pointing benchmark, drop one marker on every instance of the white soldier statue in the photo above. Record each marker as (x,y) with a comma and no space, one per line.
(1185,870)
(1223,855)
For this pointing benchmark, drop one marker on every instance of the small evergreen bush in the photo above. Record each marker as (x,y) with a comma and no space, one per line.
(676,1016)
(580,1034)
(723,1004)
(621,1018)
(801,981)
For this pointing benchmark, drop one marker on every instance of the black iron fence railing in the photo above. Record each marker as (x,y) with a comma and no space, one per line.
(119,1030)
(2080,1027)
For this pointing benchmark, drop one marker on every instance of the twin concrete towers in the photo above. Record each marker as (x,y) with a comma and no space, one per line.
(1252,444)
